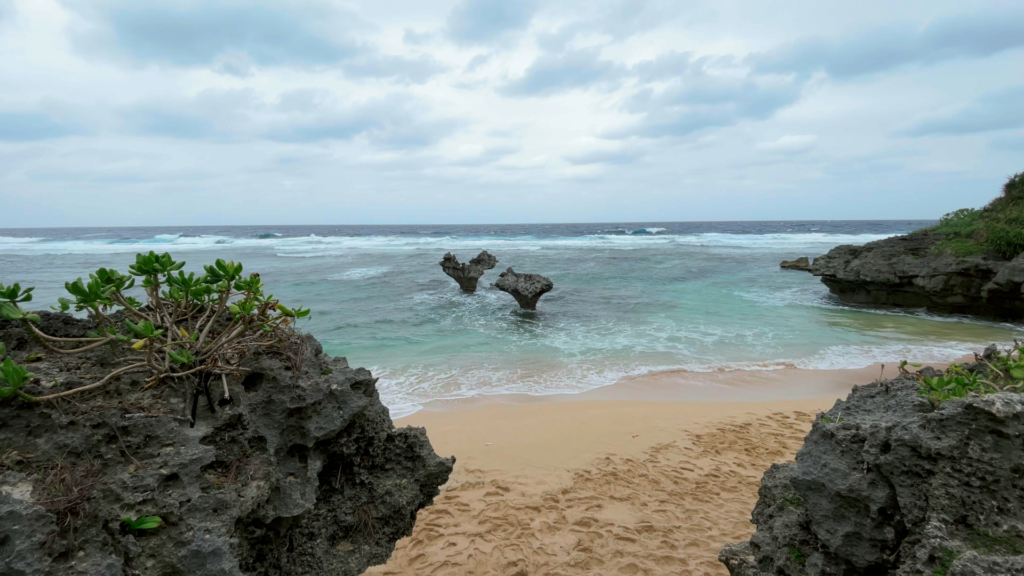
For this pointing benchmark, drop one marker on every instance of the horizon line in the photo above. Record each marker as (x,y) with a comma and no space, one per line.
(480,224)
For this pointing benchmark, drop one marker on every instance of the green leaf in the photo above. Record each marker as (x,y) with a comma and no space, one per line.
(1017,374)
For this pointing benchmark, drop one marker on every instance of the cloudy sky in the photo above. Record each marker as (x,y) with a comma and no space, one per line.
(120,112)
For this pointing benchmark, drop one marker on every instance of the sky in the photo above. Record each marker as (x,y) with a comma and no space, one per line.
(218,112)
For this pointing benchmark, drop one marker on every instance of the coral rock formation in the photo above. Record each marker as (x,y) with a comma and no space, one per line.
(525,288)
(887,484)
(468,274)
(301,472)
(905,271)
(801,263)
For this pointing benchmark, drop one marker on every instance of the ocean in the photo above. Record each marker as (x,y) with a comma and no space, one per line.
(628,299)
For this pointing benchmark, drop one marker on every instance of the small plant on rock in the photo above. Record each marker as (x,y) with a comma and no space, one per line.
(1005,373)
(189,327)
(938,389)
(12,377)
(141,523)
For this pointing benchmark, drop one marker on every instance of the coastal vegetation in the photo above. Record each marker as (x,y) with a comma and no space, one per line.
(996,371)
(998,227)
(189,326)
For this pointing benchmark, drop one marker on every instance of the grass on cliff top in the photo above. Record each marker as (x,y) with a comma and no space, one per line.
(998,227)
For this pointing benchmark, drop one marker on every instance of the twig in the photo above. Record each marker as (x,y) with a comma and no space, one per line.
(137,463)
(108,378)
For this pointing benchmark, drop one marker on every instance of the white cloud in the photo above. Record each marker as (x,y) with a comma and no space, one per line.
(789,144)
(455,109)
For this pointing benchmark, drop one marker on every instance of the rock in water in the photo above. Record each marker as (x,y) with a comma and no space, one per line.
(887,484)
(801,263)
(525,288)
(906,271)
(302,473)
(468,274)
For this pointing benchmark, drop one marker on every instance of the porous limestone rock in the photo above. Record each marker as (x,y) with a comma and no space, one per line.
(905,271)
(525,288)
(888,484)
(802,263)
(468,274)
(301,473)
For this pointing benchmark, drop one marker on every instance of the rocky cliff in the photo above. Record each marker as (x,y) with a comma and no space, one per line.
(888,484)
(296,470)
(907,271)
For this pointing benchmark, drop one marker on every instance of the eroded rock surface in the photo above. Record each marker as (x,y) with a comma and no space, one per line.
(905,271)
(302,473)
(525,288)
(802,263)
(887,484)
(468,274)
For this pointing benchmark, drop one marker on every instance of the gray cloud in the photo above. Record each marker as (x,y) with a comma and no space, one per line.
(298,116)
(879,49)
(700,96)
(211,114)
(411,70)
(555,73)
(194,33)
(416,38)
(487,156)
(486,21)
(33,126)
(996,111)
(395,121)
(619,157)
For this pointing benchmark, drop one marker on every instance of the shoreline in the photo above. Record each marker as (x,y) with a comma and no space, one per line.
(651,475)
(727,385)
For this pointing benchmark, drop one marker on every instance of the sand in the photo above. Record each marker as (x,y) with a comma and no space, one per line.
(629,479)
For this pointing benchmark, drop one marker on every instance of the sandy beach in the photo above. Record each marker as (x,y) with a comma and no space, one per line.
(628,479)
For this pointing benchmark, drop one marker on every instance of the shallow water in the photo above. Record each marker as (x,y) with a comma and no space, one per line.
(628,298)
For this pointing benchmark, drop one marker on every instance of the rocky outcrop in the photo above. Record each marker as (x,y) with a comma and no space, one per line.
(906,271)
(525,288)
(468,274)
(801,263)
(301,472)
(887,484)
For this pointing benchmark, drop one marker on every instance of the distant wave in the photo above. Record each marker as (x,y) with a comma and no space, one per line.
(313,245)
(359,274)
(636,231)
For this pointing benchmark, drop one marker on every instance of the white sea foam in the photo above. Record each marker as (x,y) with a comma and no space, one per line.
(405,391)
(313,245)
(16,240)
(359,274)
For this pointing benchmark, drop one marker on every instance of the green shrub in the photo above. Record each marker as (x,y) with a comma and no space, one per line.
(960,247)
(1005,374)
(1006,240)
(190,326)
(961,223)
(998,227)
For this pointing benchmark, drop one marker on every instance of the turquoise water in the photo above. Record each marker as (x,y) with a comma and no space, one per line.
(628,299)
